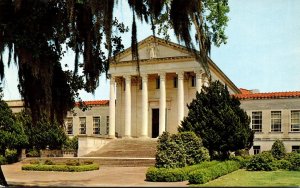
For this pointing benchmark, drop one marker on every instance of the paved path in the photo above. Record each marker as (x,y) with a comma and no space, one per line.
(104,177)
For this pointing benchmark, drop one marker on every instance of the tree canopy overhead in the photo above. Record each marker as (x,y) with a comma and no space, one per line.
(34,32)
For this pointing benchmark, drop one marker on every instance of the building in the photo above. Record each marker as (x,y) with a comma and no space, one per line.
(273,116)
(151,96)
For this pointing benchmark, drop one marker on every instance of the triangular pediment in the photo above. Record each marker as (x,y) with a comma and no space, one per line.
(154,47)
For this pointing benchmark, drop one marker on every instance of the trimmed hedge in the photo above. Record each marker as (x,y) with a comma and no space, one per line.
(262,162)
(204,175)
(61,168)
(174,174)
(294,159)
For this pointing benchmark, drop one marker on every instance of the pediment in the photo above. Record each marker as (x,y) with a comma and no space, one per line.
(154,47)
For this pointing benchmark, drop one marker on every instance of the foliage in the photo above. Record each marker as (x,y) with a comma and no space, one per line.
(2,160)
(175,174)
(72,163)
(11,156)
(278,149)
(204,175)
(243,160)
(261,162)
(71,144)
(217,118)
(282,164)
(11,132)
(86,27)
(179,150)
(62,168)
(294,159)
(44,134)
(33,153)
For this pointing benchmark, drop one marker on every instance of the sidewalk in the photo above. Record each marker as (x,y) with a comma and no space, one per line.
(104,177)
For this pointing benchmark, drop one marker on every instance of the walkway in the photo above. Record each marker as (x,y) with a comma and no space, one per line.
(104,177)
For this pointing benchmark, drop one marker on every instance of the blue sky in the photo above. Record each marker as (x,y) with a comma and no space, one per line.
(262,51)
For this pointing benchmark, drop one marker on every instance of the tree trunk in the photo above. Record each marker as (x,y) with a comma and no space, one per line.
(2,178)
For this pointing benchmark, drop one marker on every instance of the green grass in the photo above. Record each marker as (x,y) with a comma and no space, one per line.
(257,178)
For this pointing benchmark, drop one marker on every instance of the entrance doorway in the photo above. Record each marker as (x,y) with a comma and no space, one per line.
(155,122)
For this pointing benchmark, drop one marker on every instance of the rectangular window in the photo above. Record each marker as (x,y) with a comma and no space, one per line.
(82,128)
(157,82)
(107,125)
(193,81)
(275,121)
(295,120)
(96,125)
(256,150)
(295,148)
(175,82)
(257,121)
(69,125)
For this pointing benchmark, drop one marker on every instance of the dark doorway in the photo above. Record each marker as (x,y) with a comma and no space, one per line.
(155,122)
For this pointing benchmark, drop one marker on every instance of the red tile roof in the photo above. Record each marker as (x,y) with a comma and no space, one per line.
(95,103)
(273,95)
(245,91)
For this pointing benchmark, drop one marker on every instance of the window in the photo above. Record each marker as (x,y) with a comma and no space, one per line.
(295,148)
(275,121)
(295,120)
(82,128)
(157,82)
(96,125)
(193,81)
(256,150)
(107,125)
(69,125)
(257,121)
(175,82)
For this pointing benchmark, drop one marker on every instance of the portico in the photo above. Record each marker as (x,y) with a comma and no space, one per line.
(147,102)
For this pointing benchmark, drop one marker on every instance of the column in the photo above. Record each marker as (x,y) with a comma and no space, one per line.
(144,128)
(180,97)
(199,80)
(112,108)
(162,104)
(127,106)
(206,82)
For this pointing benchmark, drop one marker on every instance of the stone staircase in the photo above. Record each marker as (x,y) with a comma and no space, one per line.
(126,152)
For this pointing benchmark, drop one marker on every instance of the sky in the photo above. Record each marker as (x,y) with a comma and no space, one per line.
(262,51)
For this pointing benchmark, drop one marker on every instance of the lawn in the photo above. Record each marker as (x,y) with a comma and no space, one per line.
(257,178)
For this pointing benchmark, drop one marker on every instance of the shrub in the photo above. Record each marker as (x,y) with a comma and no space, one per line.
(34,162)
(11,156)
(204,175)
(278,150)
(174,174)
(242,152)
(62,168)
(48,162)
(243,160)
(33,153)
(72,163)
(2,160)
(282,164)
(261,162)
(294,159)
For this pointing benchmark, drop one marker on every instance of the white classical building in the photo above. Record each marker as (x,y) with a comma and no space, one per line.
(150,97)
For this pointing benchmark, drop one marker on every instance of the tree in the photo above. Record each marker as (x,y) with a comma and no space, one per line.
(217,118)
(12,135)
(34,32)
(278,150)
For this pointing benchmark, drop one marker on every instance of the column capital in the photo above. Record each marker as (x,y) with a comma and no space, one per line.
(127,77)
(199,73)
(144,76)
(180,75)
(162,75)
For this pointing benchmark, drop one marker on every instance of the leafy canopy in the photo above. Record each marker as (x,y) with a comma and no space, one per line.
(217,118)
(35,31)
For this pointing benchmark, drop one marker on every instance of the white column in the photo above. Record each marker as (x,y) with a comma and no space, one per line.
(112,108)
(199,80)
(127,106)
(162,104)
(206,82)
(144,128)
(180,97)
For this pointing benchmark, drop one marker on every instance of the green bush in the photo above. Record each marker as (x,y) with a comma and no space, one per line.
(174,174)
(207,174)
(48,162)
(72,163)
(294,159)
(261,162)
(179,150)
(2,160)
(278,150)
(282,164)
(11,156)
(33,153)
(61,168)
(35,162)
(243,160)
